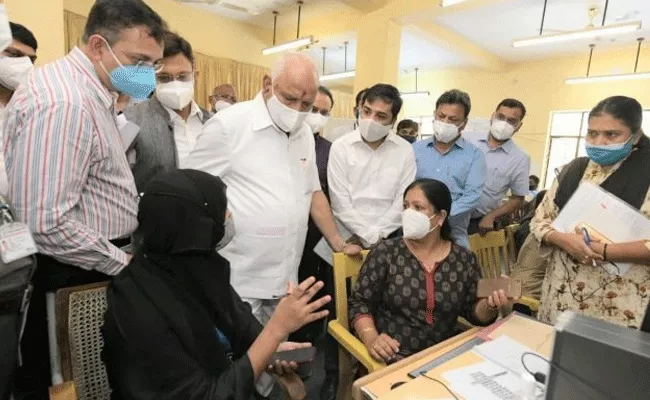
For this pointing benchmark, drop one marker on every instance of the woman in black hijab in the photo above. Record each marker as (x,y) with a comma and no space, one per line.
(175,328)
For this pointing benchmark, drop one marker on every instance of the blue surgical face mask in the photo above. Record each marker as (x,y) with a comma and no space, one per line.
(608,154)
(137,81)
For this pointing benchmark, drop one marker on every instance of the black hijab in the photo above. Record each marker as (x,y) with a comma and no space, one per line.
(181,219)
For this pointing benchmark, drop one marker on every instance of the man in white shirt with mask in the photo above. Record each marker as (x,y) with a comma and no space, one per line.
(16,62)
(369,169)
(170,121)
(264,152)
(223,96)
(507,167)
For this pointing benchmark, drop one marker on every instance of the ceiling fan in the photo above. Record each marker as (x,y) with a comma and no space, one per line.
(229,5)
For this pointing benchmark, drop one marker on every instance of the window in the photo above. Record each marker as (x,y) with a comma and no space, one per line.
(568,130)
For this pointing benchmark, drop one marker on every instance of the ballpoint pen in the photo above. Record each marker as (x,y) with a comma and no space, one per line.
(585,235)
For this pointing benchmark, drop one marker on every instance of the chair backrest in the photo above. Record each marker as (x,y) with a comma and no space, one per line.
(80,315)
(510,231)
(491,252)
(345,268)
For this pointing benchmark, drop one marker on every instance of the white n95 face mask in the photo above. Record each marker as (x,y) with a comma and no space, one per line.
(316,122)
(14,71)
(220,105)
(176,94)
(5,29)
(415,224)
(444,132)
(286,118)
(372,131)
(501,130)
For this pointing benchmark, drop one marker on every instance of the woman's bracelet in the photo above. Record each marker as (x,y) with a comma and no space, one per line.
(605,252)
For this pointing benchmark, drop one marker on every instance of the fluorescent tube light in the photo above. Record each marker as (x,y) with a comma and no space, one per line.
(294,44)
(605,78)
(608,30)
(447,3)
(414,94)
(339,75)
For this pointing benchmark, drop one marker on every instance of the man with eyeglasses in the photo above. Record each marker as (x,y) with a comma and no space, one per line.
(16,62)
(223,96)
(69,178)
(453,160)
(507,167)
(171,120)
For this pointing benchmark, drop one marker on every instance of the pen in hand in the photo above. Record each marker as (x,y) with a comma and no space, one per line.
(585,235)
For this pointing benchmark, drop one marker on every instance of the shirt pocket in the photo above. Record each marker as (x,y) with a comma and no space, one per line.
(497,180)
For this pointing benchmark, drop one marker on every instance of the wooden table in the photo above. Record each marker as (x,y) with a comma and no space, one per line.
(532,333)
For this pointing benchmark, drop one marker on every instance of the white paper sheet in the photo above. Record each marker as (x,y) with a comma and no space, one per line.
(485,381)
(128,131)
(606,213)
(507,353)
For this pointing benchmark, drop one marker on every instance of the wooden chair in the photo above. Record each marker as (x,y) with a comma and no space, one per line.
(511,245)
(79,317)
(492,253)
(350,348)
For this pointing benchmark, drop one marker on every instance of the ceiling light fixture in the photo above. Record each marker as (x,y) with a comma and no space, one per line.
(338,75)
(612,77)
(589,32)
(294,44)
(447,3)
(416,93)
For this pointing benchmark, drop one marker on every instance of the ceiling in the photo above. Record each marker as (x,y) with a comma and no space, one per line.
(491,28)
(502,22)
(260,12)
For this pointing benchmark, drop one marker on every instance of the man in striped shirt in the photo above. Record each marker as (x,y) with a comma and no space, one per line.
(69,178)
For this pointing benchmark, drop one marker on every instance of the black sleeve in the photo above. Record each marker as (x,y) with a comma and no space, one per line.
(366,294)
(146,360)
(246,326)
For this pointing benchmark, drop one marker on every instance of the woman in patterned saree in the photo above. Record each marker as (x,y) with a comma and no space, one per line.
(411,290)
(586,278)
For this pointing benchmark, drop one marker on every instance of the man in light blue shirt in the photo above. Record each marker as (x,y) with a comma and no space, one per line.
(507,167)
(451,159)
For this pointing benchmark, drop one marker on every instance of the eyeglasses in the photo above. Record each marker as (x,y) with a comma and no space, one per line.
(182,77)
(156,65)
(15,53)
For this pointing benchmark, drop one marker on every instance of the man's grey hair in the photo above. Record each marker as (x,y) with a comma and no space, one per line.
(294,58)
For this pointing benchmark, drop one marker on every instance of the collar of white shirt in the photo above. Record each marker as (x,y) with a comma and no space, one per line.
(261,117)
(194,111)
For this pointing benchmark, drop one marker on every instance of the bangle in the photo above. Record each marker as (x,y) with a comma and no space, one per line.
(545,238)
(366,329)
(605,252)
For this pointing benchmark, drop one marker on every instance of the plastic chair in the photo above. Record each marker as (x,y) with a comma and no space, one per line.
(492,253)
(349,346)
(79,317)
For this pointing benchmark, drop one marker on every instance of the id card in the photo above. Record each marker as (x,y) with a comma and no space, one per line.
(15,242)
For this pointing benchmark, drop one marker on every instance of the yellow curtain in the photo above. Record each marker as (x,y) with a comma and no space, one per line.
(212,71)
(73,25)
(343,105)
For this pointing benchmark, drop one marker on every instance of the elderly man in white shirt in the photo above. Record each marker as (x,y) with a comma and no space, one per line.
(265,153)
(369,169)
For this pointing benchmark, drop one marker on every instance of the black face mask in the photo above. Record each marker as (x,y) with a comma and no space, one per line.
(410,139)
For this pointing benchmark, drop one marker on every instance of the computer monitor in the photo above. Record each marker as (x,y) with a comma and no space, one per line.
(594,359)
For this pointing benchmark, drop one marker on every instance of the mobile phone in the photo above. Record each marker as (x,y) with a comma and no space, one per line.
(299,356)
(512,287)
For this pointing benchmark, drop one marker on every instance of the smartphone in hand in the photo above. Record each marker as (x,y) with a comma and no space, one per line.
(299,356)
(512,287)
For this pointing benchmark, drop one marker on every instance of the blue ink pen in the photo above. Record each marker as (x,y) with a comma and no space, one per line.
(585,235)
